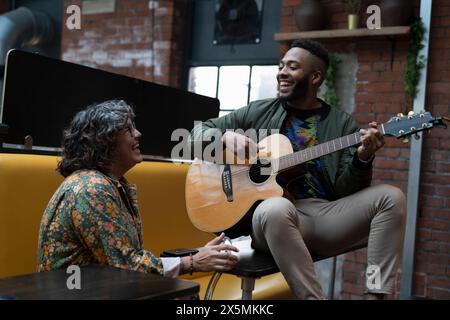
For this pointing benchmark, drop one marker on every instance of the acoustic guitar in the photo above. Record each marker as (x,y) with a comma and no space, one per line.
(223,197)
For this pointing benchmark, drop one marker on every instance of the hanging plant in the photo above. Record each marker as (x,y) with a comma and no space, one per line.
(330,95)
(414,62)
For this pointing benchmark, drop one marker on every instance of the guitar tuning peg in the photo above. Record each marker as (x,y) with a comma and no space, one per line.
(406,140)
(400,115)
(411,113)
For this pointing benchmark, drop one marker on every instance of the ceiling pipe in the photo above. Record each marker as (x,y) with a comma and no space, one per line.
(22,27)
(19,28)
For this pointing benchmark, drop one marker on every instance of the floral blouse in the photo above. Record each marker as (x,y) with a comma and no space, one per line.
(94,219)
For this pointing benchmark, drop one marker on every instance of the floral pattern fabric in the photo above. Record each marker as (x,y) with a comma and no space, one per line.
(94,219)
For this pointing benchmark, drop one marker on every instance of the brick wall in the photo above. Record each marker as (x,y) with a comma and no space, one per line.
(433,247)
(380,95)
(141,39)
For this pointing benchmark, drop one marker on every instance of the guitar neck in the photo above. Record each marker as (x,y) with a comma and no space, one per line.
(299,157)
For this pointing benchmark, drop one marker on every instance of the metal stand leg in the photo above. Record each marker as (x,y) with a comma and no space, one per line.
(212,285)
(332,280)
(247,286)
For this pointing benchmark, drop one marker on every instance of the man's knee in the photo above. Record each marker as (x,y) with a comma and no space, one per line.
(395,195)
(395,198)
(275,210)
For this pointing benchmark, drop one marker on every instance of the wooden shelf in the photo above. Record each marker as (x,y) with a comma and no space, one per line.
(400,31)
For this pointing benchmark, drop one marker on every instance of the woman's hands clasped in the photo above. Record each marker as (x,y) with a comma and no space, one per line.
(215,256)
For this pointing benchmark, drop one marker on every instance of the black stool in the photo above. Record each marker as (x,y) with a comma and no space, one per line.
(251,266)
(256,264)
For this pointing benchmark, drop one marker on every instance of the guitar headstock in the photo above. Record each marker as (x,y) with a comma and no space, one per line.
(403,126)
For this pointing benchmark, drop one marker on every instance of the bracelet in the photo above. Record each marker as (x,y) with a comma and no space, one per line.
(367,161)
(191,267)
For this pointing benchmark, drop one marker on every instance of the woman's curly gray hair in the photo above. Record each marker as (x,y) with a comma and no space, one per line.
(89,142)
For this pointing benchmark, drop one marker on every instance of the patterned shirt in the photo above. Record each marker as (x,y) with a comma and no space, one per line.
(94,219)
(301,129)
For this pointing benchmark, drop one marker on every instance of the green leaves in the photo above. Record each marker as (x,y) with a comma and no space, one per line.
(330,95)
(414,62)
(353,5)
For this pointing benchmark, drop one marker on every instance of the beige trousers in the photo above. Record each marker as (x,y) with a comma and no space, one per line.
(292,232)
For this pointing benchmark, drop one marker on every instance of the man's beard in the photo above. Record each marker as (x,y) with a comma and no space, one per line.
(299,92)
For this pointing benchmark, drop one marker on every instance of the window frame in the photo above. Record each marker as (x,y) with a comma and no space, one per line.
(249,80)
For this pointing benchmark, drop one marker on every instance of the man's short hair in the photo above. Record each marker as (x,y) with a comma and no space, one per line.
(314,48)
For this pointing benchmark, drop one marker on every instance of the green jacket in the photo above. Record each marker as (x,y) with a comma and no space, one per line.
(344,173)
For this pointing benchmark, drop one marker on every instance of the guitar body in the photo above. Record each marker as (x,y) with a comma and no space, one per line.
(206,201)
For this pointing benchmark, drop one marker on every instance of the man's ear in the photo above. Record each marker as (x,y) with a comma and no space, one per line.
(317,78)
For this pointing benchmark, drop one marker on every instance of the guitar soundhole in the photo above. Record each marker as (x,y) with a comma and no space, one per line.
(260,171)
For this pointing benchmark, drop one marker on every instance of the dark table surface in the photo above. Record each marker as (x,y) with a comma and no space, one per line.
(97,282)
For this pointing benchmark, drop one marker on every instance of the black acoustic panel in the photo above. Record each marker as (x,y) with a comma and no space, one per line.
(238,22)
(42,95)
(205,48)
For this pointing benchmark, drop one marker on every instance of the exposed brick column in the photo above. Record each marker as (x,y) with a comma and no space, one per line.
(168,41)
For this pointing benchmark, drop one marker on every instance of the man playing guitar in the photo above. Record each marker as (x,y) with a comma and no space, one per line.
(331,205)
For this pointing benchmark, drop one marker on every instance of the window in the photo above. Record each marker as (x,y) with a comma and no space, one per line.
(235,86)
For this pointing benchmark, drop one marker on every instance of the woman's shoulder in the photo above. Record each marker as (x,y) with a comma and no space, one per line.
(81,181)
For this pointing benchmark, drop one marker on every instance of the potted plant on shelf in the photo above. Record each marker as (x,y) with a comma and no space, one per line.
(354,8)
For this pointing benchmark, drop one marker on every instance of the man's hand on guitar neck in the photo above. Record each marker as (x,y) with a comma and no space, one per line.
(371,141)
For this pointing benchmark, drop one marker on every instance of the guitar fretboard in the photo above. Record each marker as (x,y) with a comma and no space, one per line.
(296,158)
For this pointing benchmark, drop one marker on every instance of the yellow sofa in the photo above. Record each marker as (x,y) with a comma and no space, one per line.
(28,181)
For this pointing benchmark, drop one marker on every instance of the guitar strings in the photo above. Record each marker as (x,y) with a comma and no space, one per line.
(295,156)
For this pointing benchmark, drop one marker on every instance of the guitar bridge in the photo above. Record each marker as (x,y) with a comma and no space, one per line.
(227,184)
